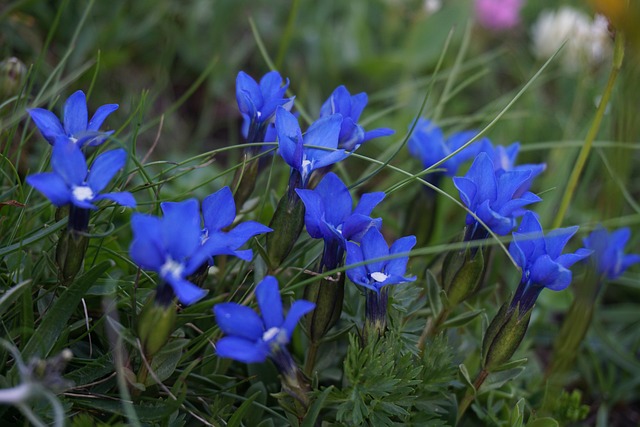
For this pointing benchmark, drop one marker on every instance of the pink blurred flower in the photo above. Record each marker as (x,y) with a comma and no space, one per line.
(498,14)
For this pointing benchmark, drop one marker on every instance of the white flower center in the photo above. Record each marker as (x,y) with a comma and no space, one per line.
(204,236)
(73,139)
(82,193)
(379,276)
(171,267)
(270,333)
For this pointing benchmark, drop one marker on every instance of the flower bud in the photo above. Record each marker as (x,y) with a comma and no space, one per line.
(244,181)
(462,273)
(12,75)
(503,336)
(287,223)
(70,254)
(155,324)
(328,295)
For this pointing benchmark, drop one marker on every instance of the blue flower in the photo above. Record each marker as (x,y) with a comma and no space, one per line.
(375,275)
(504,159)
(493,196)
(175,245)
(77,128)
(352,135)
(329,212)
(608,251)
(427,143)
(71,182)
(252,338)
(258,103)
(297,151)
(541,259)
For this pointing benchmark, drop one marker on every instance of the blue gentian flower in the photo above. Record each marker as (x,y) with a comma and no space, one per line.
(608,251)
(77,128)
(375,275)
(493,197)
(258,103)
(175,245)
(428,144)
(330,215)
(297,151)
(252,338)
(352,135)
(504,159)
(72,183)
(541,259)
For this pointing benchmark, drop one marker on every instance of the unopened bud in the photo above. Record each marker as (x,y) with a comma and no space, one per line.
(155,324)
(462,273)
(503,336)
(12,75)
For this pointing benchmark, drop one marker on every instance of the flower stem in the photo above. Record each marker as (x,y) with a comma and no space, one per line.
(470,395)
(618,56)
(432,328)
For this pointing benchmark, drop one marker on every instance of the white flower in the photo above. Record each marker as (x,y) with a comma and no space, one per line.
(587,41)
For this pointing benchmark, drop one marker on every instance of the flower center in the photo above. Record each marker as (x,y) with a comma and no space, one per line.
(171,267)
(82,193)
(73,139)
(379,276)
(270,333)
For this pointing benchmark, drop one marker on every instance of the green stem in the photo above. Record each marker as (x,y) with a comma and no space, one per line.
(470,395)
(432,328)
(311,358)
(618,55)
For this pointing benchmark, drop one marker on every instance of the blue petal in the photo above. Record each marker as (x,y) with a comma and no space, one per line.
(219,210)
(368,201)
(550,274)
(242,232)
(297,310)
(567,260)
(271,85)
(289,138)
(467,190)
(483,176)
(427,143)
(238,320)
(556,240)
(181,228)
(374,246)
(357,275)
(68,161)
(146,250)
(627,261)
(187,292)
(530,237)
(377,133)
(242,350)
(323,132)
(52,186)
(75,113)
(335,196)
(517,253)
(357,225)
(327,158)
(358,102)
(351,135)
(48,124)
(123,198)
(398,266)
(314,212)
(100,115)
(270,303)
(104,167)
(509,183)
(501,225)
(248,95)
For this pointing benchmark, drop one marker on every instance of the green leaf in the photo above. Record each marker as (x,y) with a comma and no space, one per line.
(543,422)
(165,361)
(12,295)
(462,319)
(517,415)
(465,375)
(511,365)
(314,411)
(41,234)
(236,419)
(433,293)
(55,319)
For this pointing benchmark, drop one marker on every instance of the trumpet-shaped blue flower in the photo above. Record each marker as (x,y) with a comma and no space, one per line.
(330,215)
(297,151)
(608,251)
(258,103)
(72,183)
(504,159)
(176,245)
(252,338)
(375,275)
(428,144)
(493,196)
(76,128)
(352,135)
(541,259)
